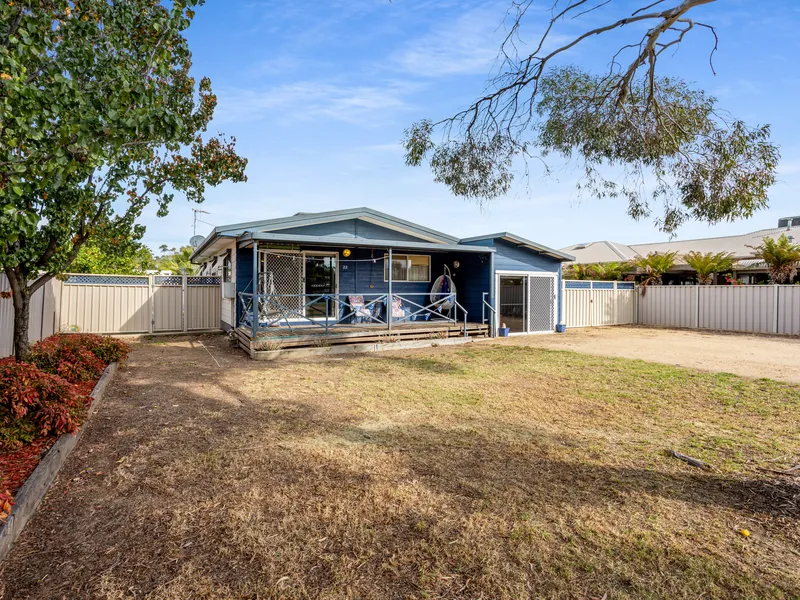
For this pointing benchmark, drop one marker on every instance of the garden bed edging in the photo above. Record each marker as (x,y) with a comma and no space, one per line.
(28,497)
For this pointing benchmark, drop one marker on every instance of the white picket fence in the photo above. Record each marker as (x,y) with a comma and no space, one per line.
(116,304)
(598,303)
(744,308)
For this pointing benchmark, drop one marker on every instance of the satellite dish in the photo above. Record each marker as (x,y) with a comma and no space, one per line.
(196,240)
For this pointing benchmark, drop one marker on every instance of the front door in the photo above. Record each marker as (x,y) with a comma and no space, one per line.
(320,278)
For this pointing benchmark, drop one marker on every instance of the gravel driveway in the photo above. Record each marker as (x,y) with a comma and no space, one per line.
(746,355)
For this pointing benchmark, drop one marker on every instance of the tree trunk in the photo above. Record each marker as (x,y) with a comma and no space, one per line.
(21,296)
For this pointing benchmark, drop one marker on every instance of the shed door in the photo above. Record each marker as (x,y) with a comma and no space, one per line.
(512,302)
(541,304)
(526,302)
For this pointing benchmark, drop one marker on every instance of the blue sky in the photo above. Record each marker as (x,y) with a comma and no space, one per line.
(318,95)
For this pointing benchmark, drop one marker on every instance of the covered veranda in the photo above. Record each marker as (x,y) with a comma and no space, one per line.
(308,291)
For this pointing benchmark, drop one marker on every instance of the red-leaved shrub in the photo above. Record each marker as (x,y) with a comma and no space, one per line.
(77,357)
(6,502)
(34,403)
(59,355)
(107,349)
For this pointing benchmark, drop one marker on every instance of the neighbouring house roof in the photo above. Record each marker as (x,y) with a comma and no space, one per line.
(521,241)
(408,235)
(600,252)
(738,245)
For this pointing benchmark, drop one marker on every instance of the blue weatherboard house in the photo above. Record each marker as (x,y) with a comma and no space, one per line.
(362,276)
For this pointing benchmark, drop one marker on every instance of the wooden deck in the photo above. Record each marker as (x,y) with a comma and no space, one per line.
(310,336)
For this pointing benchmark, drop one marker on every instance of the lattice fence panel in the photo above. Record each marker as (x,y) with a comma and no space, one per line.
(541,293)
(203,280)
(168,280)
(107,280)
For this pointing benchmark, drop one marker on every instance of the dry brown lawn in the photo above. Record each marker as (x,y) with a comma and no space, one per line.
(482,471)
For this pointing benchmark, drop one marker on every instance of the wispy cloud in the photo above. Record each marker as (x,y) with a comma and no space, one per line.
(471,43)
(302,101)
(468,45)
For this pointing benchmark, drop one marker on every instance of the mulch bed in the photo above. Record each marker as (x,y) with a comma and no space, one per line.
(18,464)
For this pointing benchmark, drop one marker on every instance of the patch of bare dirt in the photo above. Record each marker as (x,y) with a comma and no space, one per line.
(756,356)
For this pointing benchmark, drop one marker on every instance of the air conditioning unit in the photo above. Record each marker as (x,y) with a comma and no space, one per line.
(229,289)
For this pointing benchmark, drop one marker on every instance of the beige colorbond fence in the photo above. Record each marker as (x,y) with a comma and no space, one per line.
(598,303)
(117,304)
(43,314)
(746,308)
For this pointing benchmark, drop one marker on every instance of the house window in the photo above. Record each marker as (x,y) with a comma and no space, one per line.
(407,267)
(226,267)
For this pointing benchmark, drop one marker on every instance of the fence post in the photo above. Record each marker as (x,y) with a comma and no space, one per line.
(697,306)
(591,304)
(184,303)
(615,303)
(775,304)
(151,284)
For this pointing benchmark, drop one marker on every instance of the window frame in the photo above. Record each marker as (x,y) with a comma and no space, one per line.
(386,267)
(227,267)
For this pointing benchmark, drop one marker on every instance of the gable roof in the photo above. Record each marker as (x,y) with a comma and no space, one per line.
(520,241)
(738,245)
(301,219)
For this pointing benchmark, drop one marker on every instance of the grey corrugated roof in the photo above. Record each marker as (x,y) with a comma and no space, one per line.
(521,241)
(332,240)
(301,219)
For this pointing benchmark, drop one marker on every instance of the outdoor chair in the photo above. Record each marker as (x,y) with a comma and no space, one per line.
(360,312)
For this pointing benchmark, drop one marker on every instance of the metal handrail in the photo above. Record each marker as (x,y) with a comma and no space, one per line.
(464,310)
(298,313)
(492,313)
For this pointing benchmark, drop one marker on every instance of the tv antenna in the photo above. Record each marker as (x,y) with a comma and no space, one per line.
(197,211)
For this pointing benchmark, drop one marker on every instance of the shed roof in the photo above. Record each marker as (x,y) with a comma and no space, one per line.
(521,241)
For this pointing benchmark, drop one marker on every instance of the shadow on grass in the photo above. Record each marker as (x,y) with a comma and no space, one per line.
(180,490)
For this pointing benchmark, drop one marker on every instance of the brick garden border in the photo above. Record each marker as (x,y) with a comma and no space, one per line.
(29,496)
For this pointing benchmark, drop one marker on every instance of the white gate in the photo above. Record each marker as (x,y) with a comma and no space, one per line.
(598,303)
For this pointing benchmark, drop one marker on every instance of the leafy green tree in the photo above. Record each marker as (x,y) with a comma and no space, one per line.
(653,266)
(610,271)
(577,271)
(114,257)
(781,256)
(178,262)
(99,116)
(705,265)
(623,127)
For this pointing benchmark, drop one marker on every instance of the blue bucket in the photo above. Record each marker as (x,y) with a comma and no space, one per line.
(503,331)
(561,328)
